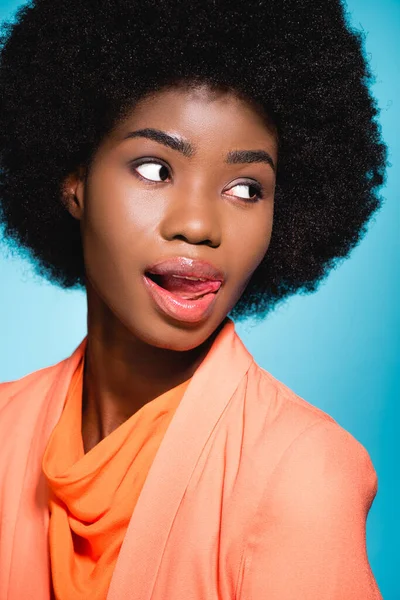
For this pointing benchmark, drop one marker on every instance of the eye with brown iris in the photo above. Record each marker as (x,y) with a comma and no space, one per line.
(156,172)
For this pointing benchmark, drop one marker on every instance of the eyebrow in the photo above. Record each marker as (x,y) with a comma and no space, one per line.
(250,156)
(187,149)
(161,137)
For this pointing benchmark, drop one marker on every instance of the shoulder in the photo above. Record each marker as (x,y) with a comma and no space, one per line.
(314,450)
(275,390)
(35,384)
(325,472)
(317,486)
(39,380)
(278,413)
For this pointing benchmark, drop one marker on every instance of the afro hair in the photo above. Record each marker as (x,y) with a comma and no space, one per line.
(70,70)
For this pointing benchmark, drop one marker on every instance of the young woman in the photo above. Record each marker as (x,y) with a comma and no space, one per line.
(189,164)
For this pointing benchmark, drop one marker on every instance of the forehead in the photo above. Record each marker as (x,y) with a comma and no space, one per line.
(203,116)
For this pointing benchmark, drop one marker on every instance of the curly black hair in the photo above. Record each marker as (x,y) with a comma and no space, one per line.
(70,70)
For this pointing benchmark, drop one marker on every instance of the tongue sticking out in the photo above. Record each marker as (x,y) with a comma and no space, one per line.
(186,288)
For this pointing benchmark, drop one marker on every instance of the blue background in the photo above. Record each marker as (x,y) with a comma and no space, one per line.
(338,348)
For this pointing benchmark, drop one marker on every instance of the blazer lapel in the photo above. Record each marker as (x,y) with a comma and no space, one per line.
(202,405)
(27,515)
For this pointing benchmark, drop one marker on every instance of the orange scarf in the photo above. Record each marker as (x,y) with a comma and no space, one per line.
(93,495)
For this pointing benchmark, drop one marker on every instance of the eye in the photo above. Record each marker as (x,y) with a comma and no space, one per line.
(152,171)
(247,191)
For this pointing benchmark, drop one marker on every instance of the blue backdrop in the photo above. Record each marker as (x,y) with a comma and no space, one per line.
(339,348)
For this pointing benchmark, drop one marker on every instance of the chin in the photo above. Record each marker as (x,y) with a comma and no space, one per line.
(176,335)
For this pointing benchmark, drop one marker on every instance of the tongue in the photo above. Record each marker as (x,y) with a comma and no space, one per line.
(187,288)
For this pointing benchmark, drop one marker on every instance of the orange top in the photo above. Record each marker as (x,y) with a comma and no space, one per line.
(93,495)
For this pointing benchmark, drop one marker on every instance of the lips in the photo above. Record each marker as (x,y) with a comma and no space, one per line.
(186,277)
(186,288)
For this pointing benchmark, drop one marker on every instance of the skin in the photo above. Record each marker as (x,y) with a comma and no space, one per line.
(201,210)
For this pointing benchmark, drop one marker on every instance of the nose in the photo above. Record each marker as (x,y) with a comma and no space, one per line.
(194,217)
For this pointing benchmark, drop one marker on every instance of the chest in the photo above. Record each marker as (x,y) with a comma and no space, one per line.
(186,537)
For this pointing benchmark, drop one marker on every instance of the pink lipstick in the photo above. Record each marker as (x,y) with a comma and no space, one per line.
(184,288)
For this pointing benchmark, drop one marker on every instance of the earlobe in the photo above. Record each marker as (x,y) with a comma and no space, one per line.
(73,194)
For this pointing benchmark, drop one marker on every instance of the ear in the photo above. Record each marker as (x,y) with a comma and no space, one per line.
(73,193)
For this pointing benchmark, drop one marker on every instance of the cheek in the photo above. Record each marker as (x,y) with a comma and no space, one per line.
(117,219)
(255,237)
(113,240)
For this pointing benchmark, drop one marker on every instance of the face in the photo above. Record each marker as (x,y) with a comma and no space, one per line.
(187,175)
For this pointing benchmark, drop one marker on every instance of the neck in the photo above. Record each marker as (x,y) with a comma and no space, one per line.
(122,373)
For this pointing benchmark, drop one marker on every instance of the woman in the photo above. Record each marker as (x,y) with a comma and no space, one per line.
(188,165)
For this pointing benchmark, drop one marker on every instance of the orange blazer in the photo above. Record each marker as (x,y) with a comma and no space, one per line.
(254,494)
